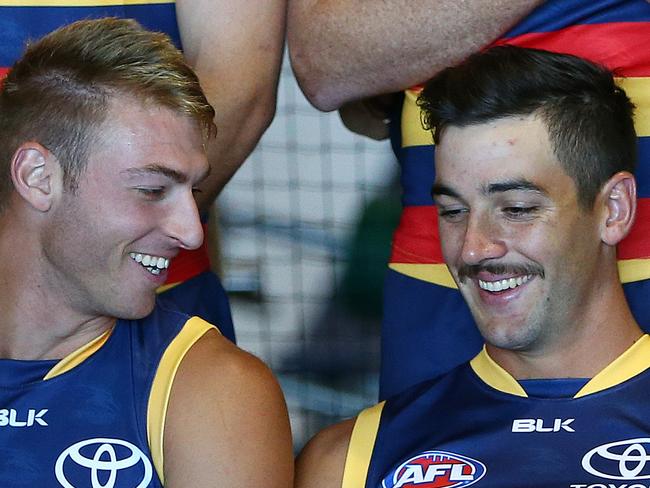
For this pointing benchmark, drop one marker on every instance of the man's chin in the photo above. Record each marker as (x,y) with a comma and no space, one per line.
(511,336)
(136,311)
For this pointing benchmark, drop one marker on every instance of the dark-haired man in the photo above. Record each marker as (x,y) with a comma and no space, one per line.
(534,189)
(105,130)
(340,52)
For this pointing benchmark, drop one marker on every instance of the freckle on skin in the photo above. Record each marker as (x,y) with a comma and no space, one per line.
(511,142)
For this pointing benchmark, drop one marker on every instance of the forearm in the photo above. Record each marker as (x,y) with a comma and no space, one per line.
(342,50)
(236,49)
(239,127)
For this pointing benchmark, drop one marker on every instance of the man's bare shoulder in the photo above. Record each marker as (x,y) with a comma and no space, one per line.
(226,409)
(322,461)
(213,353)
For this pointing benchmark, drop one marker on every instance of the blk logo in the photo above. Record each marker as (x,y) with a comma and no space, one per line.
(99,463)
(11,418)
(538,425)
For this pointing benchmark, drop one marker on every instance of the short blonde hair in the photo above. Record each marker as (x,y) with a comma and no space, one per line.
(58,93)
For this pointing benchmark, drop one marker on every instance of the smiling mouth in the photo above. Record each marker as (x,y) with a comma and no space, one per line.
(506,284)
(154,264)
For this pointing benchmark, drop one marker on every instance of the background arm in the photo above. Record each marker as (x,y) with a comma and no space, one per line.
(344,50)
(236,49)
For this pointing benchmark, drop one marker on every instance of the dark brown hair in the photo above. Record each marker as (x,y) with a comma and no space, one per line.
(588,117)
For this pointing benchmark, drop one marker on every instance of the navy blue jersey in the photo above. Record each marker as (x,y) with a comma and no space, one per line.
(477,426)
(24,20)
(95,418)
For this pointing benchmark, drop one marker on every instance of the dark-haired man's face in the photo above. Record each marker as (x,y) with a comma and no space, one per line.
(524,254)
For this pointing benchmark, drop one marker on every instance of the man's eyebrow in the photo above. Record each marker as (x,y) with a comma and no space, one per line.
(159,169)
(441,189)
(521,184)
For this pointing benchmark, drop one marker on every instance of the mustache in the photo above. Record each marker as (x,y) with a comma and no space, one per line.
(472,270)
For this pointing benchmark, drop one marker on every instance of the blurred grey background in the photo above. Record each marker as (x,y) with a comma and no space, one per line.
(304,232)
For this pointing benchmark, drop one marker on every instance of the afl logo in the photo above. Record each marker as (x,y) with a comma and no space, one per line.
(621,460)
(102,460)
(435,469)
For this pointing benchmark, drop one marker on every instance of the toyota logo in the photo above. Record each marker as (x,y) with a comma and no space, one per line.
(103,460)
(621,460)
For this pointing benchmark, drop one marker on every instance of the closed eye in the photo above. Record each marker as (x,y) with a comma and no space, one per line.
(152,193)
(520,212)
(452,214)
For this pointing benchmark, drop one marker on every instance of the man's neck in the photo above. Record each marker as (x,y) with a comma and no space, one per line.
(585,348)
(36,322)
(32,334)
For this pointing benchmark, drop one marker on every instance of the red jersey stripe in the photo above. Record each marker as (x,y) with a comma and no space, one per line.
(616,45)
(189,263)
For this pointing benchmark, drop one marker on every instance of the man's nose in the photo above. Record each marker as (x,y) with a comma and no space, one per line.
(184,223)
(483,240)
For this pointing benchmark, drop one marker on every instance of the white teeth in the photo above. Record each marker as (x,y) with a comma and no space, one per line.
(503,284)
(153,264)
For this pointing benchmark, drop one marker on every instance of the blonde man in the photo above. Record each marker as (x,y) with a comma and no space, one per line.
(105,136)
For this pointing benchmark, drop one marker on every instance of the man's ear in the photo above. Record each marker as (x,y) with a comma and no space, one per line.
(35,173)
(619,198)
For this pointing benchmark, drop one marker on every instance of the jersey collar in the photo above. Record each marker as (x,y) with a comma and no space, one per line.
(632,362)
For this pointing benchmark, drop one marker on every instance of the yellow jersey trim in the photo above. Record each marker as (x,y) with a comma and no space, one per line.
(362,443)
(629,364)
(629,270)
(161,387)
(78,356)
(433,273)
(413,134)
(632,362)
(167,286)
(78,3)
(637,88)
(494,375)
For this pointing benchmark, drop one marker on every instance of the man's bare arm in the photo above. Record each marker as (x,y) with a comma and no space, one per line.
(236,49)
(322,461)
(344,50)
(227,423)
